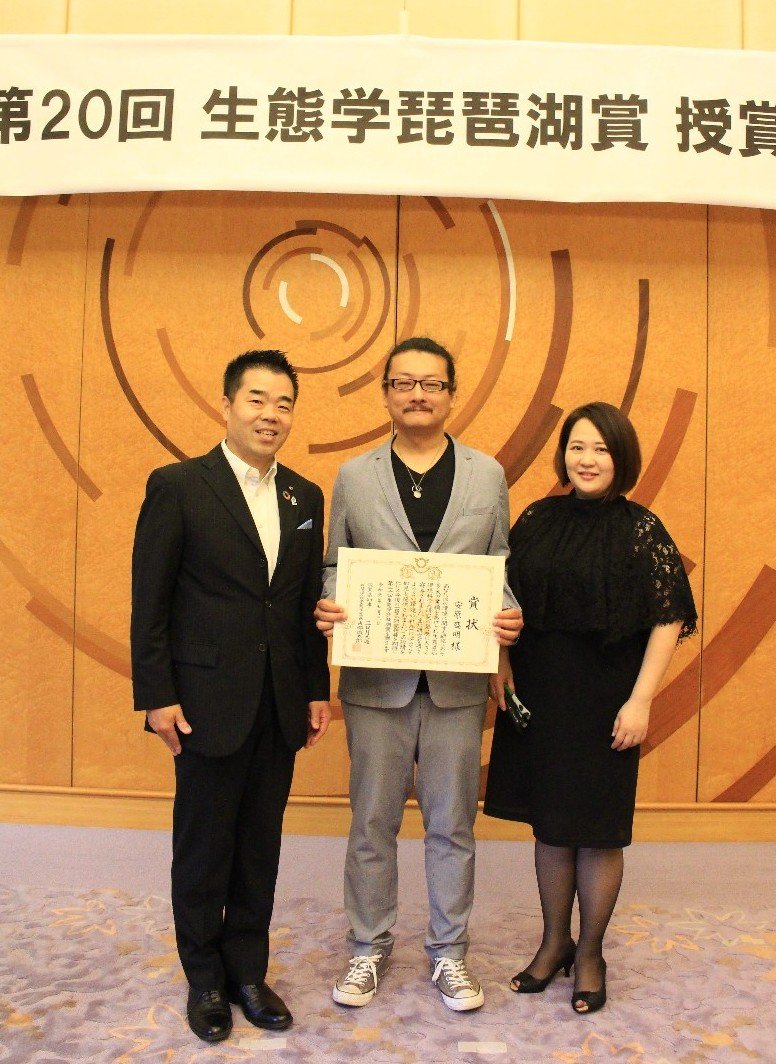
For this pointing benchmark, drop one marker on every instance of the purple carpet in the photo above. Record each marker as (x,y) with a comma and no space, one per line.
(90,973)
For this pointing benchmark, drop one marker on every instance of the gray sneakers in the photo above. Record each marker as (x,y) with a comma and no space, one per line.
(459,990)
(359,984)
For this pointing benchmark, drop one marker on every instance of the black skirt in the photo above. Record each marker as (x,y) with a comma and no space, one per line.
(560,775)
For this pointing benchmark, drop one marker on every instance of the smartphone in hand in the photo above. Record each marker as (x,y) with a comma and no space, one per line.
(518,713)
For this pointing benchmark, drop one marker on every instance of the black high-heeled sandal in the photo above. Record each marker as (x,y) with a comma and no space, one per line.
(525,983)
(593,1000)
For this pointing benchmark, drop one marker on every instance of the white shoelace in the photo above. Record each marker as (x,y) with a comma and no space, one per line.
(457,976)
(360,969)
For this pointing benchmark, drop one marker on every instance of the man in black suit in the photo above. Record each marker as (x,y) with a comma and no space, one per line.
(230,669)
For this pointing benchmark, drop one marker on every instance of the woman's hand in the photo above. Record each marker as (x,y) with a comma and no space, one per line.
(498,679)
(630,724)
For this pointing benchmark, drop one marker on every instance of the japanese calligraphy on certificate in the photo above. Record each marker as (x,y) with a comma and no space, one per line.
(410,610)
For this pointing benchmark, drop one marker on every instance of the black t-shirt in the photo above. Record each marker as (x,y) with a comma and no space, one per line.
(425,513)
(436,484)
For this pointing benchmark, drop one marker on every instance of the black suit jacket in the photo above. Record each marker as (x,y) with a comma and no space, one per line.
(206,619)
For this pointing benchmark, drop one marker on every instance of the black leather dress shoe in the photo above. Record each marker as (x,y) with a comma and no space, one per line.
(261,1006)
(209,1015)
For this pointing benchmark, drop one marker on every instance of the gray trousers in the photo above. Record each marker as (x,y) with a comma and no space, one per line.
(385,745)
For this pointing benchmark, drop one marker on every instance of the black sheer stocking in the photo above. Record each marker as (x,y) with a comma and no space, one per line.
(599,876)
(595,876)
(556,876)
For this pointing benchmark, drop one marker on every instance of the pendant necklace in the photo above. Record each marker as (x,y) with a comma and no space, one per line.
(417,489)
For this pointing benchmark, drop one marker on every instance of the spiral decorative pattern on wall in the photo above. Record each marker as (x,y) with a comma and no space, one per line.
(330,283)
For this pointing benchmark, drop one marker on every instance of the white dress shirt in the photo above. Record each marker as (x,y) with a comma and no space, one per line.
(262,498)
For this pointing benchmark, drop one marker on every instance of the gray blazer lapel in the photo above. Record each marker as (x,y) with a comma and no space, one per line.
(387,481)
(461,482)
(219,475)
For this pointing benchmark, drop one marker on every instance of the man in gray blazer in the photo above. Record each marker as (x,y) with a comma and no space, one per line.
(423,491)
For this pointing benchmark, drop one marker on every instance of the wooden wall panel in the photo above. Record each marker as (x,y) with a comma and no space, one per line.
(546,306)
(179,16)
(738,724)
(693,23)
(496,20)
(177,285)
(33,16)
(343,18)
(759,24)
(42,244)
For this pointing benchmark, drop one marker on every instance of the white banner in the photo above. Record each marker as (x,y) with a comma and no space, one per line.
(396,115)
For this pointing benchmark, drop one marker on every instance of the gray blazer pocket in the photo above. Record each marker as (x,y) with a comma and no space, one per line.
(205,654)
(477,511)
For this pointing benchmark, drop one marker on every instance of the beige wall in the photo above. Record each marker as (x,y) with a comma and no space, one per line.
(700,23)
(124,307)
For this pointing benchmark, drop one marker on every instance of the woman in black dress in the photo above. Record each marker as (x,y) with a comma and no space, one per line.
(605,598)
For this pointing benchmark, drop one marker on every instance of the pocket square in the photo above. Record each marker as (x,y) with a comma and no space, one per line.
(305,525)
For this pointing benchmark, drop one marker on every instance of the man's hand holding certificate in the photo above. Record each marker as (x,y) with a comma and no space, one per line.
(412,610)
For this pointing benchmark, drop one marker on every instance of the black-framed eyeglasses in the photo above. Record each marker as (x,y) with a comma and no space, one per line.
(407,384)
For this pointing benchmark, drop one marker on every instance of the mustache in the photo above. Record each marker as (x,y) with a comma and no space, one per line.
(417,406)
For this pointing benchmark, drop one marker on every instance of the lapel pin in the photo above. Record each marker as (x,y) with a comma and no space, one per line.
(289,497)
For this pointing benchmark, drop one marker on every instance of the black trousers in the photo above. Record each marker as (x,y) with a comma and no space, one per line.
(227,824)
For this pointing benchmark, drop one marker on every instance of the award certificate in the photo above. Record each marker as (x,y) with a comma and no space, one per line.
(410,610)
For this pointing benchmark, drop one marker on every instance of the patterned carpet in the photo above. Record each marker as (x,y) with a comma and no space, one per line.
(93,976)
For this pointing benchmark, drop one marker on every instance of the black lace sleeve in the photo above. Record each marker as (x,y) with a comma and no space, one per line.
(669,596)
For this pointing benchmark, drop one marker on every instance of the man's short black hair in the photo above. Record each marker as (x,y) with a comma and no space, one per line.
(275,361)
(427,345)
